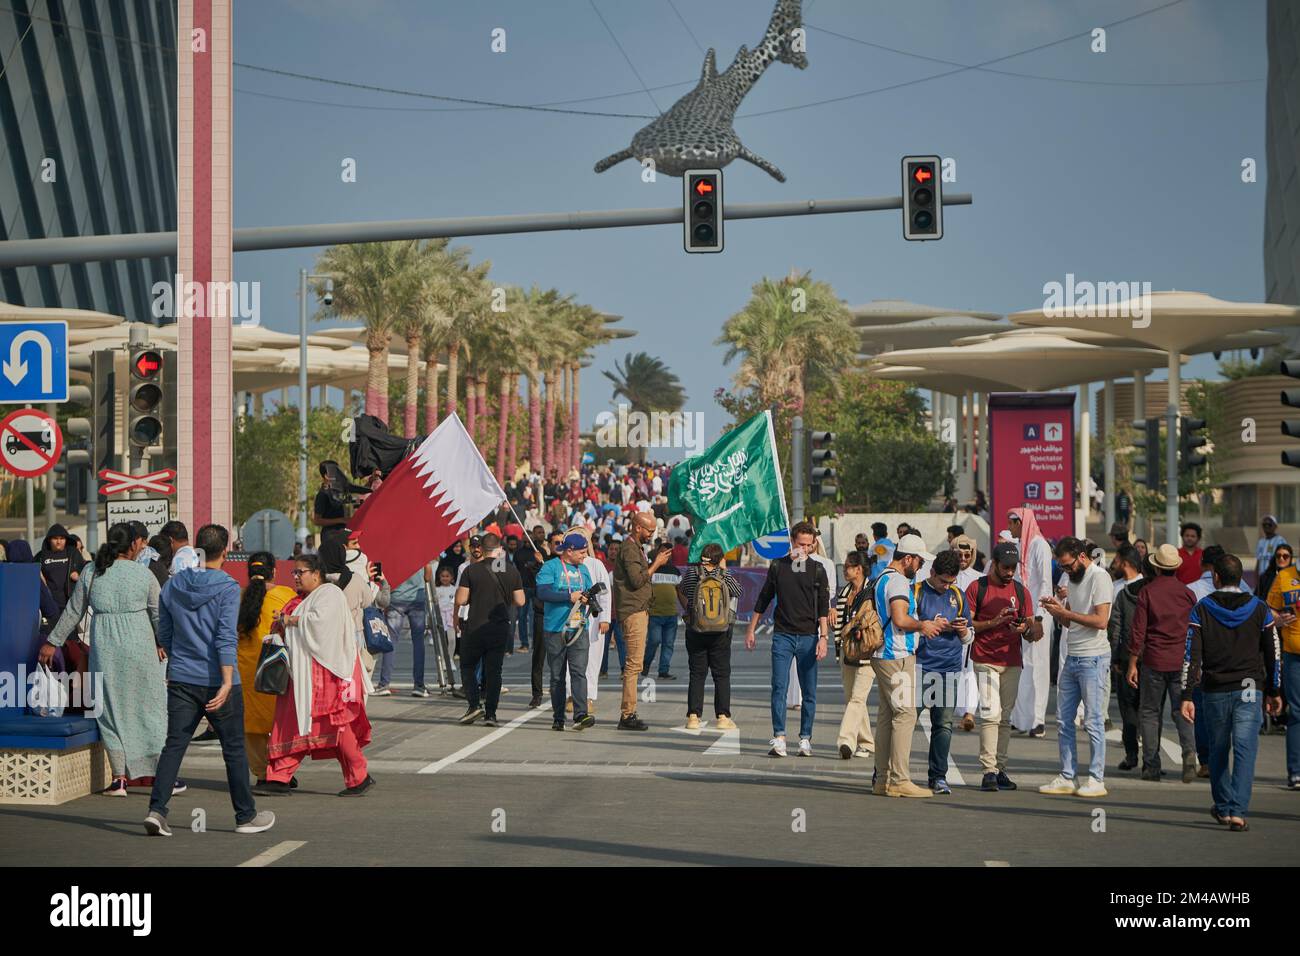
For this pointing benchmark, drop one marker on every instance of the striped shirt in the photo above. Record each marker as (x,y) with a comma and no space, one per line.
(891,586)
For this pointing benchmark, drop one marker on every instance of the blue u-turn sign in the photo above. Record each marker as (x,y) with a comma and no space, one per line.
(33,362)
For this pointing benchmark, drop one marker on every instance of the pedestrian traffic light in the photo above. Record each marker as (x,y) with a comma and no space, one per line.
(145,399)
(821,475)
(922,198)
(1148,443)
(702,210)
(1189,441)
(1291,399)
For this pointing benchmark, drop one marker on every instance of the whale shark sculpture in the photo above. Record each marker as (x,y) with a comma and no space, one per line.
(697,131)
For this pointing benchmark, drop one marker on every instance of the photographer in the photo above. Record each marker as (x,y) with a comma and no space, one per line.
(492,588)
(329,511)
(562,587)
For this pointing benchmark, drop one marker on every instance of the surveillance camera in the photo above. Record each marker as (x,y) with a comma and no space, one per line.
(328,298)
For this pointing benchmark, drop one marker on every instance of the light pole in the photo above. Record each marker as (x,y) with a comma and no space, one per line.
(303,278)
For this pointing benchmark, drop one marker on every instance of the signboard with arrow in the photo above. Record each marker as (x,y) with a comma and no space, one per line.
(33,362)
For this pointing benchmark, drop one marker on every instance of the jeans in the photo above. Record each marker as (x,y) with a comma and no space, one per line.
(1129,712)
(1200,730)
(661,635)
(481,655)
(939,697)
(573,657)
(1153,687)
(539,648)
(415,614)
(803,649)
(616,629)
(1291,690)
(525,616)
(1233,724)
(709,652)
(185,708)
(1080,681)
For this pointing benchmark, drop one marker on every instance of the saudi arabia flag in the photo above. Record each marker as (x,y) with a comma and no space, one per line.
(732,493)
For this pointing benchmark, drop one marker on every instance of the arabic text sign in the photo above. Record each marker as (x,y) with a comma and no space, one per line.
(153,513)
(1031,452)
(33,362)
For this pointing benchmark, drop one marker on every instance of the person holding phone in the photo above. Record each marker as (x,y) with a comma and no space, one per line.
(939,659)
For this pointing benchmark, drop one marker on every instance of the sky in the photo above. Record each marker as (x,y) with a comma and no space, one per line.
(1115,170)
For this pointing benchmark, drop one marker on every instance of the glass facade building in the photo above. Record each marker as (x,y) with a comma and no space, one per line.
(1282,138)
(87,143)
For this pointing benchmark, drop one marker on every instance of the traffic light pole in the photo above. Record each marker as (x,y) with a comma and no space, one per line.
(1171,450)
(146,245)
(136,459)
(797,466)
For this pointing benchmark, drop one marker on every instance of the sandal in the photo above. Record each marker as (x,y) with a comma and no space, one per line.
(1218,817)
(1238,826)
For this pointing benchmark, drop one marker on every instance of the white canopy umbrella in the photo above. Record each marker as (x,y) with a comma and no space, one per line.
(899,311)
(76,318)
(923,333)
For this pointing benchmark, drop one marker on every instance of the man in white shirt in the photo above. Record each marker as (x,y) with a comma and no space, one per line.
(1087,659)
(1035,573)
(1269,539)
(1204,585)
(967,688)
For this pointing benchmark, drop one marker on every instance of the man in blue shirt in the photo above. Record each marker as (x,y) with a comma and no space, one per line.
(560,587)
(408,602)
(882,551)
(940,659)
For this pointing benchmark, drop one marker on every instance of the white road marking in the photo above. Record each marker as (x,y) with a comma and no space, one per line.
(996,863)
(482,742)
(954,775)
(1170,748)
(728,745)
(277,852)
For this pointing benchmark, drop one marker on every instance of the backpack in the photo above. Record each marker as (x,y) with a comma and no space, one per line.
(375,625)
(711,608)
(864,634)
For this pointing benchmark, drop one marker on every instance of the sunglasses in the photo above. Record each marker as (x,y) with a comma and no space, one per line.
(299,572)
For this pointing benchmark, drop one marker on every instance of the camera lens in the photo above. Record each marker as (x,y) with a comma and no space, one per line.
(703,234)
(703,209)
(922,219)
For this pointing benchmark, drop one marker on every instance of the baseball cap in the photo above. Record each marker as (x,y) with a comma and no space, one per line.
(1006,554)
(912,544)
(575,541)
(475,540)
(964,541)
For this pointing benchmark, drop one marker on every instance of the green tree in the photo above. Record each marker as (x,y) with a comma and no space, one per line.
(648,385)
(266,459)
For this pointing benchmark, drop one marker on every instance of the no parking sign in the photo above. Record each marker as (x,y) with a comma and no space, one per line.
(30,442)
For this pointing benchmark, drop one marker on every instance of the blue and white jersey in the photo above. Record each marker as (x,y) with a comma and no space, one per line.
(893,585)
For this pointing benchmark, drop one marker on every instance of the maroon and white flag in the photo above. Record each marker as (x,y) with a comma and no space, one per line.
(428,501)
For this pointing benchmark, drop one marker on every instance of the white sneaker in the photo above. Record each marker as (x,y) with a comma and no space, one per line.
(864,752)
(1093,788)
(778,747)
(805,747)
(382,692)
(1060,785)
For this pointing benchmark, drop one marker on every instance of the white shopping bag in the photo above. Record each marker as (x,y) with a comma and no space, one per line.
(48,696)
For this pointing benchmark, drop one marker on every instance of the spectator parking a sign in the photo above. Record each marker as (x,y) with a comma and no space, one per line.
(30,442)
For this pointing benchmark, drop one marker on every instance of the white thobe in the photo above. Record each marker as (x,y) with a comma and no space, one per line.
(1036,657)
(595,649)
(967,688)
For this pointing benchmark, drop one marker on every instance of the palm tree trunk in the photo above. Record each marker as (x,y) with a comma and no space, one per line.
(411,421)
(512,459)
(471,404)
(377,376)
(453,369)
(431,393)
(483,413)
(535,418)
(503,421)
(565,398)
(548,460)
(577,438)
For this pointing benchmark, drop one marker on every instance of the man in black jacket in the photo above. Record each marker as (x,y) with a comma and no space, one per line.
(1232,652)
(60,564)
(1128,565)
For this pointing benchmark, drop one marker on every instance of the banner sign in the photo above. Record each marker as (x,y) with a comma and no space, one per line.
(1031,459)
(153,513)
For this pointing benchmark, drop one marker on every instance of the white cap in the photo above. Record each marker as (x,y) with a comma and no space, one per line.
(912,544)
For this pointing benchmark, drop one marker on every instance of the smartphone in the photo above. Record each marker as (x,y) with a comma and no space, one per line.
(379,569)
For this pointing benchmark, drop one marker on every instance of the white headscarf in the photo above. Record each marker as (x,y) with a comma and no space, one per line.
(185,559)
(323,634)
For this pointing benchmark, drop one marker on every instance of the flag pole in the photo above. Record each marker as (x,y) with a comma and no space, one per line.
(541,557)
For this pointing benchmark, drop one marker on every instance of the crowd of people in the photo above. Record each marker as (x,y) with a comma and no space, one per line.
(568,570)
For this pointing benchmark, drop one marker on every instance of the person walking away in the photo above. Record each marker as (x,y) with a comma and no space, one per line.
(261,601)
(408,602)
(561,585)
(939,659)
(1127,588)
(632,592)
(124,654)
(802,594)
(661,630)
(1232,651)
(707,593)
(855,737)
(198,617)
(1090,594)
(528,561)
(1190,568)
(323,713)
(1284,600)
(1030,713)
(895,668)
(1157,642)
(493,591)
(1003,619)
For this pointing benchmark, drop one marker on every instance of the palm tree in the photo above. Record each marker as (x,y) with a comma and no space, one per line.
(647,385)
(378,283)
(458,300)
(442,266)
(792,334)
(540,315)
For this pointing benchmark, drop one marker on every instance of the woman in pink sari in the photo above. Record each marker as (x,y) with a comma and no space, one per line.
(323,714)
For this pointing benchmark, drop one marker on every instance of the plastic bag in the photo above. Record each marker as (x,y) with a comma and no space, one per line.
(48,696)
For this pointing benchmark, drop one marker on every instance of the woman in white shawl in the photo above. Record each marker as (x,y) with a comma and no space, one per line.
(598,625)
(323,713)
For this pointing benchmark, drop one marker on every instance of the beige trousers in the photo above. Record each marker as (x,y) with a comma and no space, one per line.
(999,687)
(897,720)
(855,725)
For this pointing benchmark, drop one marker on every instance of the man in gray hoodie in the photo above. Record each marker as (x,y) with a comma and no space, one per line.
(197,614)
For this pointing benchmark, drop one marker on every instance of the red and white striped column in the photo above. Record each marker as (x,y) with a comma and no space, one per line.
(205,479)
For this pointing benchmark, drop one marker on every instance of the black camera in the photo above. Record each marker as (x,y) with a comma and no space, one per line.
(593,592)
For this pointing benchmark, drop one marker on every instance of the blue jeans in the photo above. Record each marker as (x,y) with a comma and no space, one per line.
(1201,731)
(415,615)
(616,629)
(803,649)
(1291,689)
(526,616)
(185,708)
(939,697)
(661,635)
(1233,723)
(1081,680)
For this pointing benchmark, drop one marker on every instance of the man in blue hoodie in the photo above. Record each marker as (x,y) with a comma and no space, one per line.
(197,614)
(939,659)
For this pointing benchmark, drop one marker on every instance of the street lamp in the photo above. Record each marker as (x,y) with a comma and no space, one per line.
(328,298)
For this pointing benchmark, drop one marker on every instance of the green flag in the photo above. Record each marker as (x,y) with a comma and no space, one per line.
(732,493)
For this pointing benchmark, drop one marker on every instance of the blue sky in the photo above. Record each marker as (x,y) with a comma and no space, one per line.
(1108,182)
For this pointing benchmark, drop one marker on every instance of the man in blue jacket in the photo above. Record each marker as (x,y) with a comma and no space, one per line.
(560,587)
(939,659)
(197,614)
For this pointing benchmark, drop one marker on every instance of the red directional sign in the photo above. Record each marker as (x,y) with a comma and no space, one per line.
(923,174)
(703,186)
(154,481)
(30,442)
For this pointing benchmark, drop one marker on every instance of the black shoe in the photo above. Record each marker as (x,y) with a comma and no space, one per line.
(1128,763)
(359,789)
(989,783)
(1151,773)
(471,715)
(1039,731)
(557,725)
(293,783)
(632,722)
(604,673)
(1004,782)
(583,722)
(272,788)
(668,677)
(535,701)
(490,722)
(846,752)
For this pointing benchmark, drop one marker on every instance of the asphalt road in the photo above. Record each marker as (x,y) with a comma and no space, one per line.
(523,794)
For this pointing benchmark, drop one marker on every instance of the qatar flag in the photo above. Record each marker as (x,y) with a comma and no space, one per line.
(428,501)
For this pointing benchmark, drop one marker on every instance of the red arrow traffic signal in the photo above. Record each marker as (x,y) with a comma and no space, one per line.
(147,364)
(922,174)
(703,186)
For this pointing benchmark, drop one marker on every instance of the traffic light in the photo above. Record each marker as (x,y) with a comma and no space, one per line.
(145,399)
(103,403)
(1291,399)
(922,198)
(1148,442)
(702,210)
(821,475)
(1189,441)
